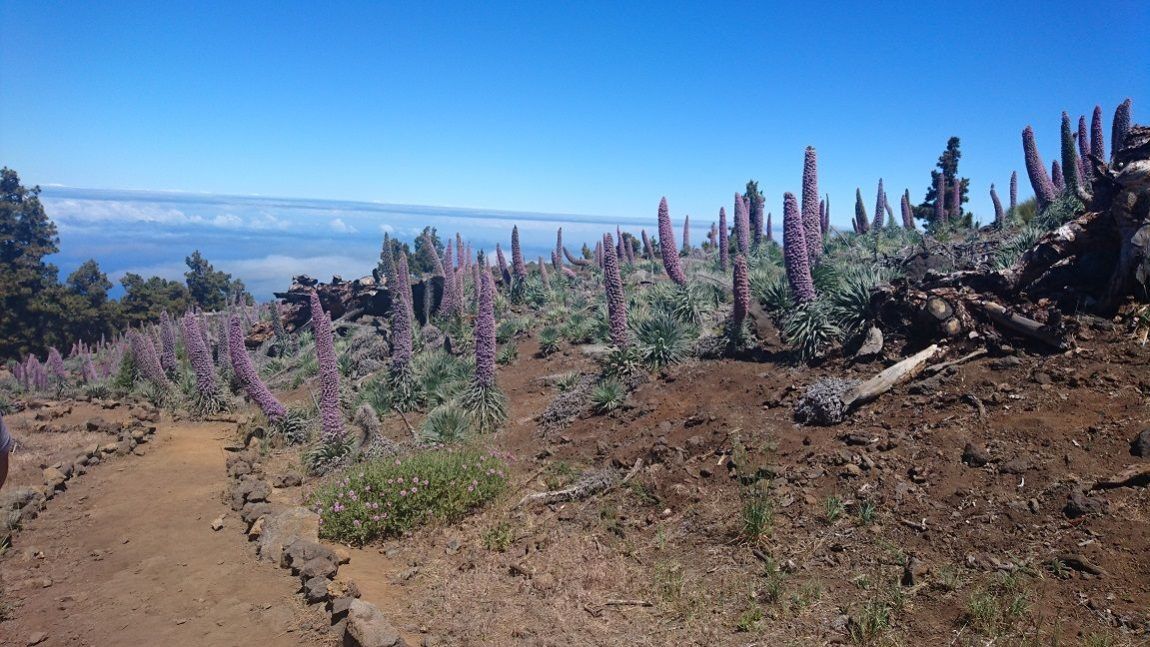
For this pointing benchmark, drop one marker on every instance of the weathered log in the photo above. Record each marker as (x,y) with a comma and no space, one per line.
(935,369)
(1024,325)
(890,377)
(830,401)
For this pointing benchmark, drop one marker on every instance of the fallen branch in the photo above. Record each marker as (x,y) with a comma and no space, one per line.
(589,485)
(402,417)
(627,603)
(1023,325)
(891,377)
(935,369)
(1133,476)
(827,402)
(1079,563)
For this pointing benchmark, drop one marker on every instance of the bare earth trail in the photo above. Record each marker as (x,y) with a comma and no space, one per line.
(129,558)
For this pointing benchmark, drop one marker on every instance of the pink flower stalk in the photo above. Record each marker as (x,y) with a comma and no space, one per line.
(687,234)
(328,369)
(168,344)
(450,303)
(667,245)
(1071,178)
(999,216)
(889,211)
(485,334)
(1097,145)
(578,262)
(249,378)
(616,300)
(559,247)
(502,260)
(199,356)
(795,251)
(460,260)
(1058,180)
(436,261)
(1119,128)
(648,253)
(824,219)
(713,235)
(1013,190)
(1043,188)
(724,243)
(568,272)
(402,317)
(742,226)
(862,223)
(907,211)
(1083,150)
(742,290)
(56,364)
(629,248)
(543,276)
(89,370)
(599,254)
(810,206)
(771,228)
(556,260)
(403,284)
(940,197)
(517,265)
(146,359)
(879,208)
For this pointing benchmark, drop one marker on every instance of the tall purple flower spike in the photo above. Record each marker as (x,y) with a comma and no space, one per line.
(940,197)
(56,364)
(249,378)
(1119,128)
(999,216)
(518,267)
(862,225)
(1097,144)
(502,261)
(907,211)
(1013,190)
(435,259)
(1070,177)
(742,226)
(485,334)
(742,290)
(879,208)
(146,359)
(795,251)
(667,245)
(724,243)
(810,206)
(328,369)
(824,219)
(771,228)
(1043,188)
(619,253)
(1083,150)
(403,283)
(402,320)
(450,303)
(544,277)
(168,344)
(889,211)
(559,247)
(460,259)
(199,357)
(599,254)
(629,248)
(556,259)
(1058,179)
(616,300)
(687,233)
(648,253)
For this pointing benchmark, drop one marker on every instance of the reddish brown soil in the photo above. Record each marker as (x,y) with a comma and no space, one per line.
(126,556)
(673,536)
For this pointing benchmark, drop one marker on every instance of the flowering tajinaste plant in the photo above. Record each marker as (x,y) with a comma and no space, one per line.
(146,359)
(56,364)
(1119,128)
(450,303)
(742,226)
(824,219)
(667,245)
(686,234)
(502,261)
(436,261)
(485,334)
(810,206)
(742,291)
(198,356)
(1097,144)
(724,244)
(249,378)
(544,278)
(907,211)
(1083,137)
(956,199)
(401,325)
(1058,179)
(599,254)
(616,300)
(862,223)
(647,251)
(1013,190)
(1070,177)
(403,284)
(794,251)
(517,265)
(328,371)
(999,216)
(168,344)
(460,259)
(771,227)
(558,248)
(1044,190)
(879,208)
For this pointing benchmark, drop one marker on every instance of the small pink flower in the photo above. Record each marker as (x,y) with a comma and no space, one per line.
(414,490)
(356,523)
(470,488)
(403,493)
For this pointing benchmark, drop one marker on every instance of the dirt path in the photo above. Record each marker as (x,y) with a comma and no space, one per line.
(128,558)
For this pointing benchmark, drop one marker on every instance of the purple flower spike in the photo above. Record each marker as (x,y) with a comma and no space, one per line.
(249,378)
(742,290)
(502,261)
(1083,150)
(940,198)
(460,259)
(146,359)
(1013,190)
(667,245)
(328,369)
(1097,145)
(485,334)
(450,304)
(795,252)
(862,223)
(543,276)
(724,243)
(879,208)
(168,344)
(810,206)
(1070,177)
(56,364)
(687,234)
(648,253)
(771,228)
(518,267)
(907,211)
(402,315)
(1058,180)
(824,219)
(1119,128)
(559,247)
(1043,188)
(999,216)
(436,261)
(616,300)
(199,357)
(742,226)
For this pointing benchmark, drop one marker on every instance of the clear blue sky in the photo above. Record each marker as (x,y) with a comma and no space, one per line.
(588,107)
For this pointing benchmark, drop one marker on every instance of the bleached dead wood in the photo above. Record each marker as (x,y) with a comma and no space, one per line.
(890,377)
(829,401)
(589,485)
(935,369)
(1022,325)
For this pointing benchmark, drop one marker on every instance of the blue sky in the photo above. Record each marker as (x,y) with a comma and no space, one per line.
(548,107)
